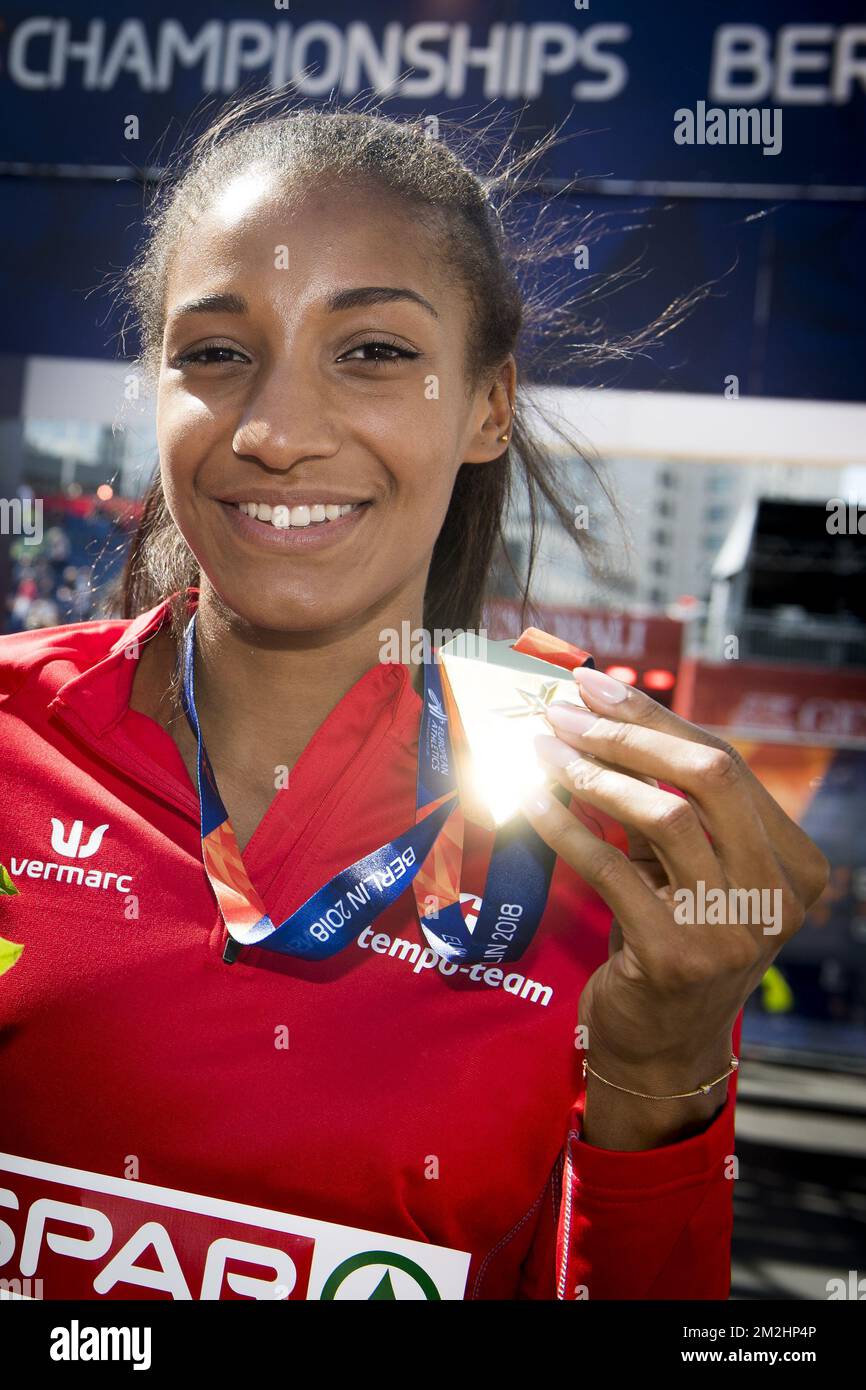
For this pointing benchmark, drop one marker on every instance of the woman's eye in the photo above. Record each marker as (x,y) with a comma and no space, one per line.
(377,352)
(212,352)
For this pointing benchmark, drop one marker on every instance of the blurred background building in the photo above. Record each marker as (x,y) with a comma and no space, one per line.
(734,447)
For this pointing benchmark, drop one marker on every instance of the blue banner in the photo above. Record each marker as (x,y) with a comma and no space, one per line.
(84,84)
(722,143)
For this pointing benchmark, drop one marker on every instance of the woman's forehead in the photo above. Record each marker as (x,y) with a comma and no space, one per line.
(253,226)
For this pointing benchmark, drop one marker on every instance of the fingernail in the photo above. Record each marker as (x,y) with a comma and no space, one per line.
(535,800)
(570,718)
(553,750)
(602,686)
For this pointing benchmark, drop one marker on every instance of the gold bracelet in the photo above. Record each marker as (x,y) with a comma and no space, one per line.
(681,1095)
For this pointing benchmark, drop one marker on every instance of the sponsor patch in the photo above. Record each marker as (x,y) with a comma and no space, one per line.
(75,1234)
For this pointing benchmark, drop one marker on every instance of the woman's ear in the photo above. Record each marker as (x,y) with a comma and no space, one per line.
(494,413)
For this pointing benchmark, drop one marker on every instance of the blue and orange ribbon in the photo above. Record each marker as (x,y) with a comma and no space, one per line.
(429,855)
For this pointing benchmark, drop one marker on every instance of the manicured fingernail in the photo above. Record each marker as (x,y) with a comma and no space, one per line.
(602,686)
(535,800)
(570,718)
(553,750)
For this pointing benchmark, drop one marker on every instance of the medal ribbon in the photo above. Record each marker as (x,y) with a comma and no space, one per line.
(429,856)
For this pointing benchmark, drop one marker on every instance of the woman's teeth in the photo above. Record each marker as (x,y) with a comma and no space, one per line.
(283,517)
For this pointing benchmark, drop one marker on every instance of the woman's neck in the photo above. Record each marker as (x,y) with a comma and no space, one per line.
(261,695)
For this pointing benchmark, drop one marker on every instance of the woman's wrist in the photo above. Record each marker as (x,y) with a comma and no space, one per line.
(615,1119)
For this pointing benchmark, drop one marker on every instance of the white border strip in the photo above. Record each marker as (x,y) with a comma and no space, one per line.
(707,428)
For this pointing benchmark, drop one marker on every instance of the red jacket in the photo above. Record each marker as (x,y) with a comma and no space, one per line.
(173,1126)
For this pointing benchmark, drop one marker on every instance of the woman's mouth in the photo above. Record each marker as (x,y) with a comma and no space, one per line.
(280,526)
(282,516)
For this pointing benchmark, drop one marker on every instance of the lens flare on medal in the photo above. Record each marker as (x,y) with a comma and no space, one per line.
(499,709)
(536,702)
(503,769)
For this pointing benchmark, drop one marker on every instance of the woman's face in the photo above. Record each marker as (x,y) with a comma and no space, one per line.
(313,359)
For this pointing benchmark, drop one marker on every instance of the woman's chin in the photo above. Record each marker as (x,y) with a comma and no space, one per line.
(255,604)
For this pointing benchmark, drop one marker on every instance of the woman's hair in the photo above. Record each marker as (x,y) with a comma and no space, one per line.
(495,236)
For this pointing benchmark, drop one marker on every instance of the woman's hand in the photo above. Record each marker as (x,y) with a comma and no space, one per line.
(660,1011)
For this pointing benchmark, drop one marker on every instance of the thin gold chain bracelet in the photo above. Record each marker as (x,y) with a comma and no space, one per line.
(681,1095)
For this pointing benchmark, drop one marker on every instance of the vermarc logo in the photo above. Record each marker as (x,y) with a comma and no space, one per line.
(71,847)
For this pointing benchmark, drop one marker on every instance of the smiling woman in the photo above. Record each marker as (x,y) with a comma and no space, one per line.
(330,311)
(345,283)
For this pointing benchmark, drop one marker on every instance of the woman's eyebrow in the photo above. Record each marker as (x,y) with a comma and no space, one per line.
(375,294)
(342,299)
(212,304)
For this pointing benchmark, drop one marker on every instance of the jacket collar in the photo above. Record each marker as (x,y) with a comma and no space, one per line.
(374,727)
(96,700)
(99,696)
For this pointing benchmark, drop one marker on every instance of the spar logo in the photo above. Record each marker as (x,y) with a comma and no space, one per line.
(88,1235)
(387,1269)
(72,844)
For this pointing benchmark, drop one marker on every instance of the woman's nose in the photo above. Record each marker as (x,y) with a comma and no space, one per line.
(285,420)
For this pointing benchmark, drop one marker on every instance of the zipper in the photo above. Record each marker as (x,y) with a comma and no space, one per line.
(232,949)
(566,1220)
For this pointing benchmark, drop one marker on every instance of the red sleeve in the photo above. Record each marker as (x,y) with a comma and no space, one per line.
(650,1224)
